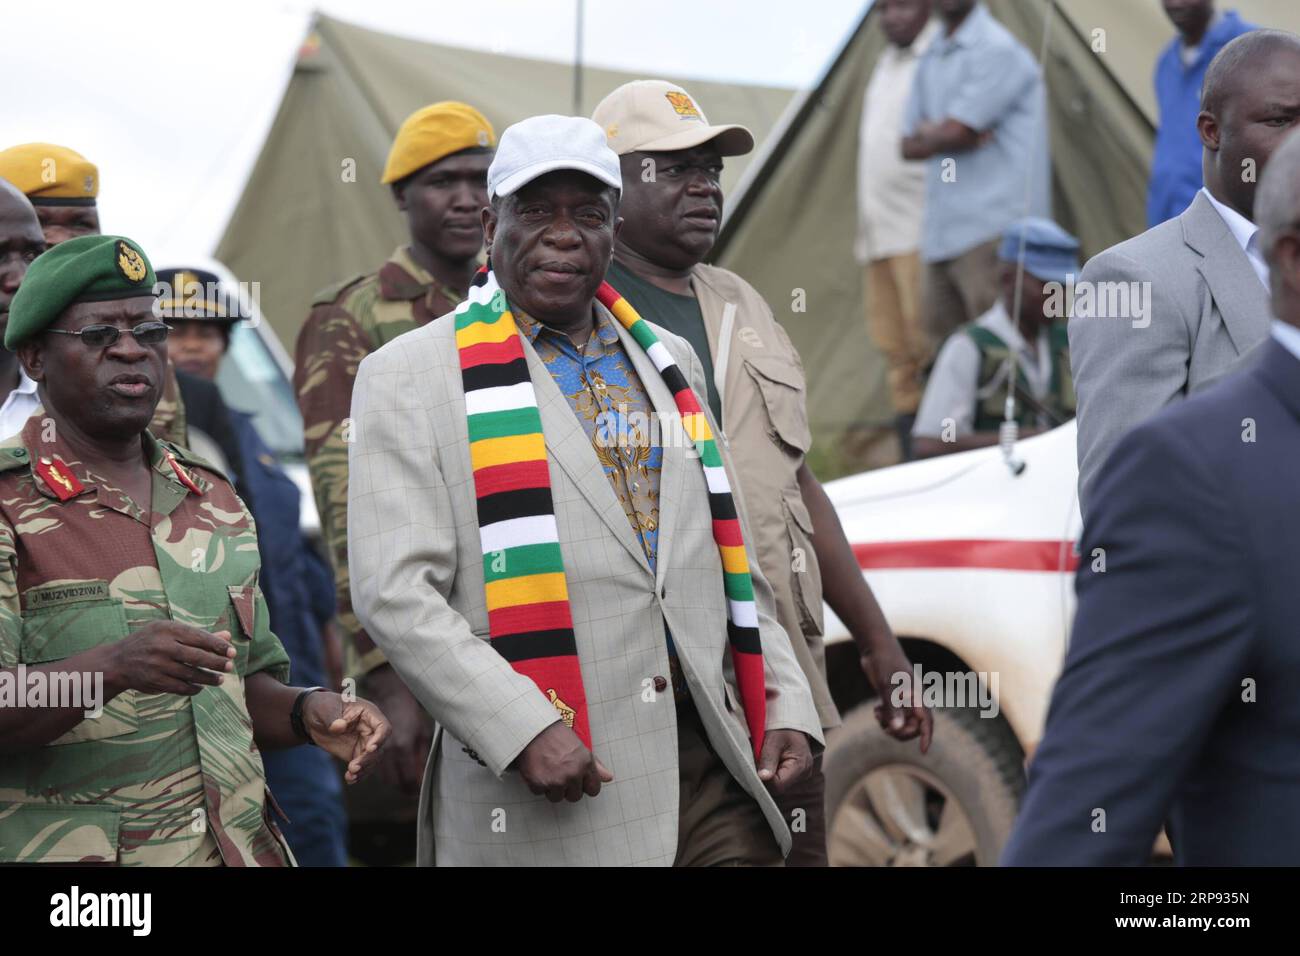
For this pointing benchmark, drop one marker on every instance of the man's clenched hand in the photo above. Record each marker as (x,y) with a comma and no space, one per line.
(558,764)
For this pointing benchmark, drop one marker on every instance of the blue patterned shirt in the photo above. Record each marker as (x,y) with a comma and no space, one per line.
(611,403)
(607,396)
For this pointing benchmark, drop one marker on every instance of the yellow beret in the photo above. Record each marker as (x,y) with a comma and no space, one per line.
(431,133)
(51,175)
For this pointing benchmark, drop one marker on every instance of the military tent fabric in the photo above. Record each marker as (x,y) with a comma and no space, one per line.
(791,224)
(314,213)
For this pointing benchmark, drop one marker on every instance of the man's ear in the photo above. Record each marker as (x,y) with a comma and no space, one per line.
(489,225)
(1286,259)
(399,195)
(32,356)
(1207,124)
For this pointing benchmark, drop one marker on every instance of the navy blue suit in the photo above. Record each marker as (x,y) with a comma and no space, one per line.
(1196,613)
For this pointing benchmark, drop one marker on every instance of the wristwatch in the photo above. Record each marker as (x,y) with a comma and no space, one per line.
(295,715)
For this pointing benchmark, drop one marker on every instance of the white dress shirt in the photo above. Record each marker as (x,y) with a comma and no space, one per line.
(891,190)
(18,407)
(1247,235)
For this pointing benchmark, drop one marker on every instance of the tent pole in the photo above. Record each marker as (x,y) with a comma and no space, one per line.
(577,62)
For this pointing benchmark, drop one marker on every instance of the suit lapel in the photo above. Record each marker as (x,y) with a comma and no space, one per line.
(1238,294)
(673,441)
(570,448)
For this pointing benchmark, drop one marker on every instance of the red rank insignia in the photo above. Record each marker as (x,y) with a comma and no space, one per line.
(185,479)
(59,479)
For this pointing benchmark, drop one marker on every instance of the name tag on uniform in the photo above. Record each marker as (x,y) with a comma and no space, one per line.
(50,595)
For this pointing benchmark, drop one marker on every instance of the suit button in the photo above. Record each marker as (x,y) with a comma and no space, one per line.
(661,684)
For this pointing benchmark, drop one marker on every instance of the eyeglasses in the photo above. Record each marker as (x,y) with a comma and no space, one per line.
(102,336)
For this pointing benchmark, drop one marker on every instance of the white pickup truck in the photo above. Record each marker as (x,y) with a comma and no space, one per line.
(973,563)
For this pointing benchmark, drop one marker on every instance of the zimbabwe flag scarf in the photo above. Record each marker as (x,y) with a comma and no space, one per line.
(529,622)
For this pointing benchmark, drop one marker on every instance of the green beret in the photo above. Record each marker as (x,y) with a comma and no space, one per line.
(85,269)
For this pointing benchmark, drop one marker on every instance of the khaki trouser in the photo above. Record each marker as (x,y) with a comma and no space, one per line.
(718,823)
(960,290)
(894,324)
(808,798)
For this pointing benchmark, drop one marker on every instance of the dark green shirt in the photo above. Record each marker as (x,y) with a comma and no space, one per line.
(679,314)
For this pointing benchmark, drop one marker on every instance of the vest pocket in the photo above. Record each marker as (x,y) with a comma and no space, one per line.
(57,832)
(57,633)
(782,387)
(807,589)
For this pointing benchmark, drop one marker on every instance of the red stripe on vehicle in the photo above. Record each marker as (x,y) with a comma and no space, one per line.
(999,555)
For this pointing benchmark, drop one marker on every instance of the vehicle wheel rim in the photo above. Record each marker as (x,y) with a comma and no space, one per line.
(901,815)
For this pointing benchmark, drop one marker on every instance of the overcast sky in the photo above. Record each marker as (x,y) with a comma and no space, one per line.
(172,98)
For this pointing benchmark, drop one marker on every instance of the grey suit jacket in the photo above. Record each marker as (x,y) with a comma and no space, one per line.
(1195,307)
(417,585)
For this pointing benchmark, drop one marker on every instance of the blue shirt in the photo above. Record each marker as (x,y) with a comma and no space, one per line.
(295,579)
(611,403)
(984,78)
(1176,165)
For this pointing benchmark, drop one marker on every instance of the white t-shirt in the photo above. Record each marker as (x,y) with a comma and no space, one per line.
(891,190)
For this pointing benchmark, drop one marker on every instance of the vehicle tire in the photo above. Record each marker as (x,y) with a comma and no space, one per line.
(887,805)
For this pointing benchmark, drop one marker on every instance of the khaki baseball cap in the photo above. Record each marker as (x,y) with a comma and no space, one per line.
(657,116)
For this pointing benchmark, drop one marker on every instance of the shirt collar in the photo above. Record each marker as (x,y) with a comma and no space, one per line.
(999,321)
(54,452)
(1288,336)
(1215,22)
(1242,229)
(531,328)
(402,279)
(971,30)
(930,33)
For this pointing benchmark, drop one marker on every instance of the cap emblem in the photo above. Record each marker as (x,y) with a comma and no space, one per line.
(682,104)
(130,263)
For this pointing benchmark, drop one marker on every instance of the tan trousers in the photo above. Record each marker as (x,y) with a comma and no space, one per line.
(894,324)
(718,823)
(808,842)
(960,290)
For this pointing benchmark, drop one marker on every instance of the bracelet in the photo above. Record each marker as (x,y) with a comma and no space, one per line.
(295,715)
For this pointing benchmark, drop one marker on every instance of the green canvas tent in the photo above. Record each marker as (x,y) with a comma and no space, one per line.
(303,222)
(791,224)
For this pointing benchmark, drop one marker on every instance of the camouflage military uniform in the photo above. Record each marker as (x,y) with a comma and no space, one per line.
(168,421)
(157,779)
(347,323)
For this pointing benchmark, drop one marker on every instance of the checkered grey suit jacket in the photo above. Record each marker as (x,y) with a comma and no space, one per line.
(417,585)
